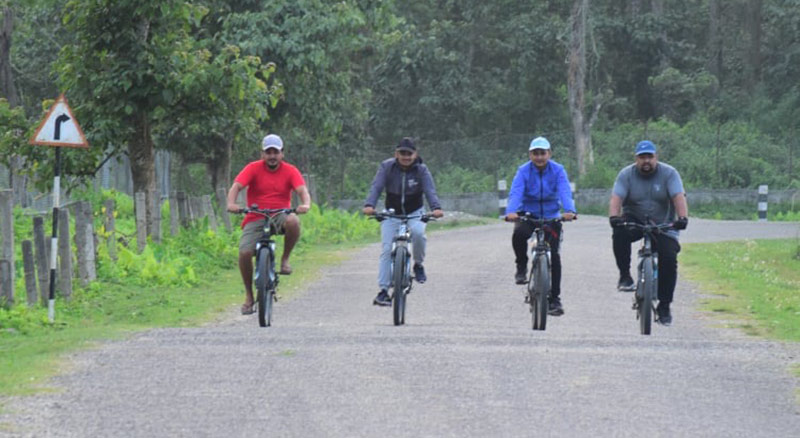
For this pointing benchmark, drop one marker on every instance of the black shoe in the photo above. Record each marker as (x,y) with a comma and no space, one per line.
(382,299)
(625,283)
(555,307)
(664,315)
(521,277)
(419,273)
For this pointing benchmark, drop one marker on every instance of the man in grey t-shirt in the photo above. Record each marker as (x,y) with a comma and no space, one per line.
(649,191)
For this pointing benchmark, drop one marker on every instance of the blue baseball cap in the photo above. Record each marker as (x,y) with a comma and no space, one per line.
(645,147)
(539,143)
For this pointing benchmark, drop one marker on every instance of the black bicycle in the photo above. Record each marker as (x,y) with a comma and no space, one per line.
(265,277)
(402,279)
(646,296)
(539,281)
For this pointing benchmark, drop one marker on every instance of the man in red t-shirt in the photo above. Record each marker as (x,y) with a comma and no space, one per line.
(270,182)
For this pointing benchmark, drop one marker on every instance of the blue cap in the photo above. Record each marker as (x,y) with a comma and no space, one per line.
(272,141)
(539,143)
(645,147)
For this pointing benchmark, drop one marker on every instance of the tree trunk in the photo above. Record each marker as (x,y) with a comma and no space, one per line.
(754,27)
(576,85)
(142,159)
(7,88)
(715,38)
(220,167)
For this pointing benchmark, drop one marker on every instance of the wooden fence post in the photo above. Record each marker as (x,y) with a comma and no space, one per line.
(155,205)
(209,211)
(6,284)
(110,224)
(30,273)
(84,242)
(65,273)
(140,202)
(173,213)
(183,209)
(222,203)
(7,236)
(42,257)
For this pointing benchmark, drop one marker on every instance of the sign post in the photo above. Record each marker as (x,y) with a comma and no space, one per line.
(59,128)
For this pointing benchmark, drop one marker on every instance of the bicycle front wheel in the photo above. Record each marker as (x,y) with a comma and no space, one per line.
(264,287)
(538,292)
(400,280)
(645,295)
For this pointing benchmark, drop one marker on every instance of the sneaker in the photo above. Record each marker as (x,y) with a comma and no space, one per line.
(419,273)
(555,307)
(625,283)
(664,315)
(520,277)
(382,299)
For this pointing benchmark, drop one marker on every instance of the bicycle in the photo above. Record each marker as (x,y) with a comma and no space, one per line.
(402,280)
(646,296)
(265,278)
(539,281)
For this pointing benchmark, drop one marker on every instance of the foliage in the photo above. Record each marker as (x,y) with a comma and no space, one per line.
(754,280)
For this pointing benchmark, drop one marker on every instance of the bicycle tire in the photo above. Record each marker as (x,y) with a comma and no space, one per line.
(538,292)
(264,288)
(400,281)
(647,285)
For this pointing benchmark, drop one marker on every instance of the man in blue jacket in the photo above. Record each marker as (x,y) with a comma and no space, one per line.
(542,189)
(405,180)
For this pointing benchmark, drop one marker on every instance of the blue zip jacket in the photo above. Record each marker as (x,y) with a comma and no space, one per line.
(541,193)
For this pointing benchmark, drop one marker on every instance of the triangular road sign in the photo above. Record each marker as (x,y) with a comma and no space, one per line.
(60,128)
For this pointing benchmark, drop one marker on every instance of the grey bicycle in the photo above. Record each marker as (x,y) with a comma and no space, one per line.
(539,281)
(645,299)
(402,280)
(265,277)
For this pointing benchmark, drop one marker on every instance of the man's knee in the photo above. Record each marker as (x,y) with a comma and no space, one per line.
(292,223)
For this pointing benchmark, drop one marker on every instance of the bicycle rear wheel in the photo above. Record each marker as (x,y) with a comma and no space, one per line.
(264,287)
(645,295)
(400,282)
(538,292)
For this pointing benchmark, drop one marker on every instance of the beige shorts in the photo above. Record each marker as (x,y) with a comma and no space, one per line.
(252,231)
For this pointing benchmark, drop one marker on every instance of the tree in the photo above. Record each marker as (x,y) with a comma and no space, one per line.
(123,69)
(576,84)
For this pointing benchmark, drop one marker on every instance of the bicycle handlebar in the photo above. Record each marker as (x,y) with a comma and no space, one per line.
(380,216)
(648,228)
(267,212)
(524,216)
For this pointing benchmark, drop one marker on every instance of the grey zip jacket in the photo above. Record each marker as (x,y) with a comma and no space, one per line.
(404,188)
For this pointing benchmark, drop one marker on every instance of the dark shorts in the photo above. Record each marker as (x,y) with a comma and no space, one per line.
(252,231)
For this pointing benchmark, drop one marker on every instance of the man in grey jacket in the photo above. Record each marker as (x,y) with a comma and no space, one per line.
(405,180)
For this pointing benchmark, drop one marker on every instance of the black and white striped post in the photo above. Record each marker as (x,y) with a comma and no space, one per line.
(763,191)
(502,196)
(58,129)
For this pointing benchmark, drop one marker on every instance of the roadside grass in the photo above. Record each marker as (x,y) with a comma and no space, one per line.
(32,350)
(752,284)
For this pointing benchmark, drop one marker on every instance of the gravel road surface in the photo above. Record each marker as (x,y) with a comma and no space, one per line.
(467,364)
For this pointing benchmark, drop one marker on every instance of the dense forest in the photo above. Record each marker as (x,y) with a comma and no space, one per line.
(714,83)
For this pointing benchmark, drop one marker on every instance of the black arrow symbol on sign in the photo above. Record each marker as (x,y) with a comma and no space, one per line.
(59,120)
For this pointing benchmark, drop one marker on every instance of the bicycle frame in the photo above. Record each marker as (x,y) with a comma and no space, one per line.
(539,282)
(646,295)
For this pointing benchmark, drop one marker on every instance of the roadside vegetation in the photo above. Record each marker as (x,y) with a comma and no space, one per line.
(187,280)
(751,284)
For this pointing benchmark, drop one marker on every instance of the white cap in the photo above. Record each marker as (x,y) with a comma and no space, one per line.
(272,141)
(539,143)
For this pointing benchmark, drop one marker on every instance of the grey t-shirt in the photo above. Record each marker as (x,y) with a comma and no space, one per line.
(649,196)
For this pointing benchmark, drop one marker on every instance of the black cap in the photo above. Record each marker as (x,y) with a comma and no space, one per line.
(406,144)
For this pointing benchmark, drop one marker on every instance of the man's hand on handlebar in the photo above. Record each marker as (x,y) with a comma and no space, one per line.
(512,217)
(233,208)
(569,216)
(437,213)
(368,210)
(302,209)
(616,221)
(680,223)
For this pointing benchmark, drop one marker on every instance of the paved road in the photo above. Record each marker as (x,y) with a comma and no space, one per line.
(466,364)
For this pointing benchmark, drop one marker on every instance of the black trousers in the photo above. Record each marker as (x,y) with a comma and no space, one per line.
(519,240)
(667,248)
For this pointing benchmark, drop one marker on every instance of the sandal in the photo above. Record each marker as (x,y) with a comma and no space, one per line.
(248,310)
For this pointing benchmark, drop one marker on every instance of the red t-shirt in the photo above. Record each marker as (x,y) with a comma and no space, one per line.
(269,189)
